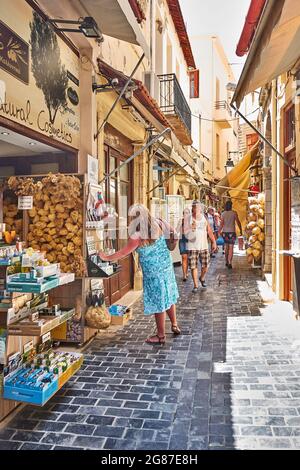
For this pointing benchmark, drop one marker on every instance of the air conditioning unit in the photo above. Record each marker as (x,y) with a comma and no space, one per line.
(152,83)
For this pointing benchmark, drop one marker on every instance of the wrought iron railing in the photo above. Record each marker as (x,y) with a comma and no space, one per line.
(172,99)
(223,105)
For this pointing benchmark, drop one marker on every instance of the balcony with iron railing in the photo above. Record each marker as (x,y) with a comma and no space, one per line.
(223,114)
(175,106)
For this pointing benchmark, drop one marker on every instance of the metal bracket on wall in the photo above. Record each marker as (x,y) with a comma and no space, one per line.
(167,178)
(119,96)
(137,153)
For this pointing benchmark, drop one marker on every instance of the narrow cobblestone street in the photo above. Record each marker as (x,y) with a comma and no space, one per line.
(230,381)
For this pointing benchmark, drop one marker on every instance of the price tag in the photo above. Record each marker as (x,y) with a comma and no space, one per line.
(91,246)
(28,347)
(97,284)
(34,316)
(46,337)
(25,203)
(26,261)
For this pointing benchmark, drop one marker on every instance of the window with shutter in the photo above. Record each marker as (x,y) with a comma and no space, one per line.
(194,83)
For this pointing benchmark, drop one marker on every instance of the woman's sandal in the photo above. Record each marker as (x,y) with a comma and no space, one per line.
(161,339)
(176,330)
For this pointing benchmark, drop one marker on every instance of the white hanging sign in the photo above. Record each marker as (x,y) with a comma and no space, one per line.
(25,203)
(93,170)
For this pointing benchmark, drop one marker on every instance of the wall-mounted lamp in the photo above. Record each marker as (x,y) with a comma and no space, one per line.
(112,85)
(87,26)
(229,164)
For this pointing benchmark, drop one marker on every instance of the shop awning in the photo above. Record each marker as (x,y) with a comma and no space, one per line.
(141,98)
(171,152)
(238,179)
(150,110)
(115,18)
(275,46)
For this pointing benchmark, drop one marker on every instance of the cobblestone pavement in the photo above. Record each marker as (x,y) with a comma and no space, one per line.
(229,381)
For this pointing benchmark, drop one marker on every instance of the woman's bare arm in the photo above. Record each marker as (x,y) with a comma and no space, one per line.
(221,226)
(238,222)
(131,246)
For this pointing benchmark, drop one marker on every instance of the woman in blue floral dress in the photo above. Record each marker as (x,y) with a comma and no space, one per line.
(148,238)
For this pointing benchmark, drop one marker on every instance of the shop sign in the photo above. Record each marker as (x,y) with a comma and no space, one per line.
(25,203)
(45,96)
(14,54)
(73,96)
(295,214)
(93,169)
(28,347)
(46,337)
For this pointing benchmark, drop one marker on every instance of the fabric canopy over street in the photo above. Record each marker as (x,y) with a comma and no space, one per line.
(115,18)
(238,179)
(274,49)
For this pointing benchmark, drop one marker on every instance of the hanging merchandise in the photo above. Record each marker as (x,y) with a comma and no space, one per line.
(255,229)
(96,209)
(98,317)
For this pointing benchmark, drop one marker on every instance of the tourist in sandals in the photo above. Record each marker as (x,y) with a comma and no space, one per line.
(229,220)
(149,237)
(197,232)
(183,245)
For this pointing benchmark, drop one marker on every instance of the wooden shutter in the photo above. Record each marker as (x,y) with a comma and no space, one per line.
(194,83)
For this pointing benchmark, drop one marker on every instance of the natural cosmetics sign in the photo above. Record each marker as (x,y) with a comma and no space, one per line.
(39,73)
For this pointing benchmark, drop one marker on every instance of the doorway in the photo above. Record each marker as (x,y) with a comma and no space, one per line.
(290,155)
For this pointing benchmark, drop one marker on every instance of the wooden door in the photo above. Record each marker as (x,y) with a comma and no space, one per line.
(290,156)
(119,194)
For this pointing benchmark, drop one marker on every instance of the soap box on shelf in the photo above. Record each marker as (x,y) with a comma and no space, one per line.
(47,271)
(31,287)
(36,397)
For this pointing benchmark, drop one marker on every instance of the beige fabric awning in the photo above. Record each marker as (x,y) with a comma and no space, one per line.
(275,48)
(115,18)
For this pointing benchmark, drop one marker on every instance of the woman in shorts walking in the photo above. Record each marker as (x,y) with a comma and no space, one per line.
(229,220)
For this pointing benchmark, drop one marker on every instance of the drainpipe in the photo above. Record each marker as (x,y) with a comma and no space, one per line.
(252,19)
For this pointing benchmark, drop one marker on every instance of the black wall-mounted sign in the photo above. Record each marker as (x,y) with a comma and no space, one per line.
(14,54)
(72,78)
(73,96)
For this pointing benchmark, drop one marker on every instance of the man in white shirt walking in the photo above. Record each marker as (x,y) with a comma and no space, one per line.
(197,232)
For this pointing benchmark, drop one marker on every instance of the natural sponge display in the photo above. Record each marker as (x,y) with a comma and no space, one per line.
(56,222)
(255,228)
(98,317)
(12,217)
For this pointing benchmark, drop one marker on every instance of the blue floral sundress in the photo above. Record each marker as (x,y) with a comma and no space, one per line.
(159,283)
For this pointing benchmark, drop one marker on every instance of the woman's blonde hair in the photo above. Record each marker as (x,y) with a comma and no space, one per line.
(143,223)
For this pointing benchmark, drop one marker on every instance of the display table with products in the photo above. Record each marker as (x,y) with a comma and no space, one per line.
(30,371)
(56,223)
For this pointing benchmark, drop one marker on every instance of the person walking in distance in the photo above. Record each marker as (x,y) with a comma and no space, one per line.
(149,237)
(212,222)
(197,232)
(229,220)
(183,244)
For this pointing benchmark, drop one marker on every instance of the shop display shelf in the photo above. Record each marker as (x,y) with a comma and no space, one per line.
(34,288)
(39,288)
(95,271)
(40,398)
(33,329)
